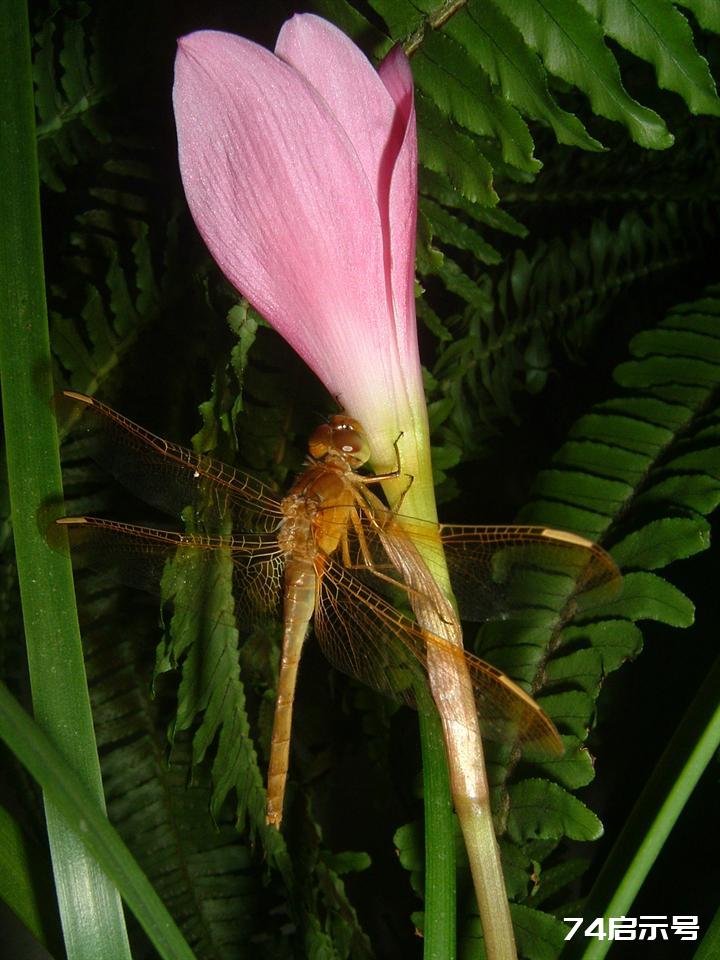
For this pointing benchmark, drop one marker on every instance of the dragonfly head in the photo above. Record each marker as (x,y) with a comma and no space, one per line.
(341,437)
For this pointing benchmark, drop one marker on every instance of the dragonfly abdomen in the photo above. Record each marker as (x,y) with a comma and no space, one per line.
(299,604)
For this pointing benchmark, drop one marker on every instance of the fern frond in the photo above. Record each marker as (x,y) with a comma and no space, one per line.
(656,31)
(229,723)
(444,70)
(571,45)
(541,306)
(112,315)
(488,67)
(69,86)
(640,471)
(444,148)
(706,13)
(498,49)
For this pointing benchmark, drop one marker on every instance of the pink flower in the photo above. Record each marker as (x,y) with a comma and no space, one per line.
(300,171)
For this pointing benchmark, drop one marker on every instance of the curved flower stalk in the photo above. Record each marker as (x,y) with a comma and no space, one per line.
(300,169)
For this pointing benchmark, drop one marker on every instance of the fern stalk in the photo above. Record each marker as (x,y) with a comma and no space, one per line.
(90,907)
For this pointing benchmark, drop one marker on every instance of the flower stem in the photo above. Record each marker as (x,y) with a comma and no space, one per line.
(440,886)
(476,824)
(451,687)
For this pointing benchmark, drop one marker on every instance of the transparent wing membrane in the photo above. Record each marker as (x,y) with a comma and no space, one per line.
(366,637)
(167,475)
(139,556)
(496,572)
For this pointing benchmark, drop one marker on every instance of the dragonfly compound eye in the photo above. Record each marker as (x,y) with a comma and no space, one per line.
(320,441)
(349,440)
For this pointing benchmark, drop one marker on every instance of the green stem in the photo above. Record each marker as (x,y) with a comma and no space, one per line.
(440,908)
(709,949)
(434,609)
(90,908)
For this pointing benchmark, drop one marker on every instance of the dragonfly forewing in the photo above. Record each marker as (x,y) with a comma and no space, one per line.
(523,573)
(169,476)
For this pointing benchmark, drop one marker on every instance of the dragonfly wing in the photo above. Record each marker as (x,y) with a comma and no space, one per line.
(364,636)
(526,572)
(496,572)
(141,557)
(166,475)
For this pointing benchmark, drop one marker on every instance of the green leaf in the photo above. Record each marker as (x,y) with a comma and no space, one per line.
(570,711)
(540,810)
(553,879)
(572,46)
(656,371)
(645,596)
(585,490)
(438,187)
(691,749)
(656,31)
(615,641)
(349,861)
(692,491)
(539,935)
(575,768)
(470,290)
(160,804)
(682,339)
(19,862)
(211,687)
(710,945)
(93,923)
(516,869)
(89,825)
(408,841)
(66,100)
(445,149)
(498,47)
(659,543)
(706,12)
(583,668)
(453,231)
(444,71)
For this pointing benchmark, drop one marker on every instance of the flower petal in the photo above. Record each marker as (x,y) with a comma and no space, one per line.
(280,197)
(402,205)
(348,83)
(382,130)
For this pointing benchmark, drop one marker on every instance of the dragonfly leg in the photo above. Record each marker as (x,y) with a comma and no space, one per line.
(392,474)
(367,563)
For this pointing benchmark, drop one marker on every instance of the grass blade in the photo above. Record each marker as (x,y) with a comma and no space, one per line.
(75,804)
(90,909)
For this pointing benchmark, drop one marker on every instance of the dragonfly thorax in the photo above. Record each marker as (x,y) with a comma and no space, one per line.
(341,438)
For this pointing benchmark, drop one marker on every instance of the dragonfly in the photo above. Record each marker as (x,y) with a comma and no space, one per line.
(333,554)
